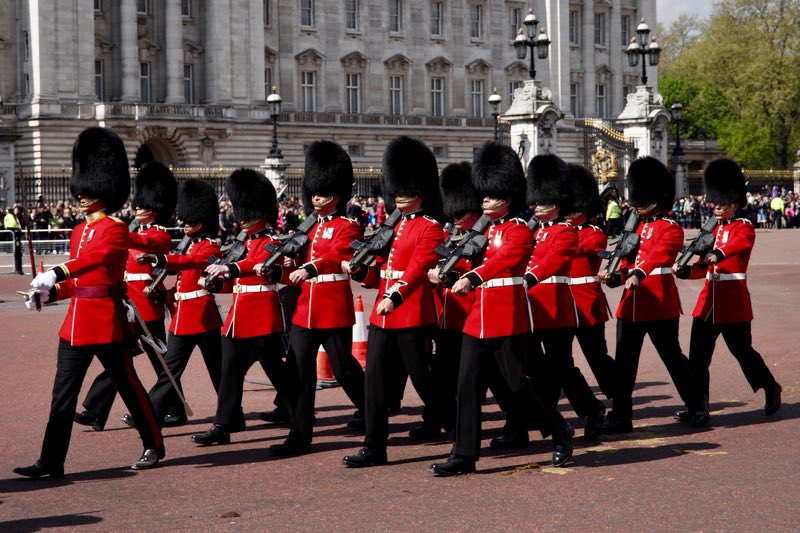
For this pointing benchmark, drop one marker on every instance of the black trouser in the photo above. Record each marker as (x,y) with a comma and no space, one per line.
(384,348)
(346,369)
(445,362)
(509,355)
(71,367)
(238,355)
(740,343)
(664,336)
(100,398)
(592,340)
(559,372)
(179,350)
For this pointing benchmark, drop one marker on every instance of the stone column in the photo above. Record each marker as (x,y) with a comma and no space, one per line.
(129,43)
(174,52)
(645,120)
(533,117)
(681,175)
(217,47)
(43,55)
(587,52)
(615,89)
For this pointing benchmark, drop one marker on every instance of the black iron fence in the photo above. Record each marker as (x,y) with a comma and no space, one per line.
(758,181)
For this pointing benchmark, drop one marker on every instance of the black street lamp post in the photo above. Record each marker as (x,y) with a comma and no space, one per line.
(640,47)
(274,103)
(677,117)
(494,102)
(528,38)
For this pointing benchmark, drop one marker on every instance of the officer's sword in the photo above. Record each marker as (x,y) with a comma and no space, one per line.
(160,349)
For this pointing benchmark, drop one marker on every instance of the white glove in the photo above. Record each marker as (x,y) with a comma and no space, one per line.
(44,280)
(30,301)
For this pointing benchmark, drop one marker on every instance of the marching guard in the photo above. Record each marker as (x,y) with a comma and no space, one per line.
(154,205)
(498,325)
(403,316)
(723,306)
(96,322)
(650,304)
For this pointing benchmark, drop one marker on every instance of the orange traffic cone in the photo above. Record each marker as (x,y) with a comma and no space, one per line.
(325,378)
(360,334)
(41,266)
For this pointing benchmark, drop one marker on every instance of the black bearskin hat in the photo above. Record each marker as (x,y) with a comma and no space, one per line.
(458,194)
(329,172)
(584,187)
(252,196)
(725,183)
(497,173)
(649,181)
(156,190)
(100,168)
(198,202)
(548,183)
(409,169)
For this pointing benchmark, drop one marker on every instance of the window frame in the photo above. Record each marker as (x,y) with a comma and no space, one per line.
(476,22)
(354,13)
(308,7)
(396,95)
(307,89)
(188,83)
(439,18)
(574,31)
(396,18)
(575,99)
(147,7)
(600,30)
(477,92)
(515,21)
(186,13)
(601,100)
(353,92)
(99,80)
(145,82)
(625,29)
(440,92)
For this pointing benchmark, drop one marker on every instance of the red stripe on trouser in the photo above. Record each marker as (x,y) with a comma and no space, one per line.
(138,389)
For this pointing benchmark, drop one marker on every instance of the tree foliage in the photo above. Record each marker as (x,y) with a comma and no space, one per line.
(738,76)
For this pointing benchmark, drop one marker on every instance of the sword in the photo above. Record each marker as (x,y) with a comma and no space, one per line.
(159,348)
(28,235)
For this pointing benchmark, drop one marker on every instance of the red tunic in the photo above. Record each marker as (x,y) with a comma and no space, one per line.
(98,250)
(656,297)
(590,300)
(452,309)
(193,315)
(256,307)
(725,296)
(551,299)
(149,239)
(404,274)
(326,299)
(500,307)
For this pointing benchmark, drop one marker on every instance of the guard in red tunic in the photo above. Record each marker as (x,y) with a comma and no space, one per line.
(253,327)
(650,303)
(552,304)
(96,323)
(499,324)
(324,314)
(590,300)
(196,321)
(154,204)
(723,307)
(404,315)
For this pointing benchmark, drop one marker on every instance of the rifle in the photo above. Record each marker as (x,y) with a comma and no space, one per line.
(134,225)
(291,245)
(700,245)
(377,242)
(235,251)
(627,245)
(471,245)
(534,223)
(29,236)
(160,274)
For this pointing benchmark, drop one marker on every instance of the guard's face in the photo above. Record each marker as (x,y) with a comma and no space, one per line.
(546,212)
(465,221)
(190,229)
(576,219)
(144,215)
(408,204)
(495,208)
(88,204)
(324,205)
(725,212)
(648,210)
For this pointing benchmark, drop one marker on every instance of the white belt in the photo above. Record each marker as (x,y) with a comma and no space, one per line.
(502,282)
(392,274)
(585,280)
(738,276)
(663,271)
(556,279)
(137,277)
(241,289)
(190,295)
(327,278)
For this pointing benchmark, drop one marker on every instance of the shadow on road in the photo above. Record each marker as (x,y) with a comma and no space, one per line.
(48,522)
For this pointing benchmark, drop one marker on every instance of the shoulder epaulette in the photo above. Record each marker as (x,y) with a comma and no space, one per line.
(115,219)
(518,220)
(566,224)
(354,221)
(594,227)
(430,219)
(745,220)
(671,221)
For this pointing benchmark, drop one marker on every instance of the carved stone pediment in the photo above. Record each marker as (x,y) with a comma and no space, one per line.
(101,44)
(310,57)
(270,55)
(576,76)
(517,69)
(355,60)
(439,65)
(191,50)
(603,75)
(397,62)
(479,66)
